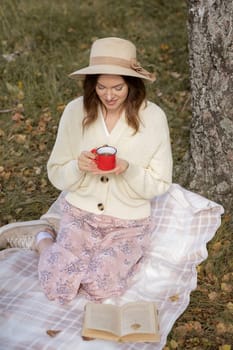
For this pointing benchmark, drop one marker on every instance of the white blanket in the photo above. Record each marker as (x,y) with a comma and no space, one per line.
(185,223)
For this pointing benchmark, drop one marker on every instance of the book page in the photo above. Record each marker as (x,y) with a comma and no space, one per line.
(104,317)
(138,318)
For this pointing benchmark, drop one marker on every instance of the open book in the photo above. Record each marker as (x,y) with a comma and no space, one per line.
(132,322)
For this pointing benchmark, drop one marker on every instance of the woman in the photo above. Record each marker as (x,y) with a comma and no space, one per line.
(105,226)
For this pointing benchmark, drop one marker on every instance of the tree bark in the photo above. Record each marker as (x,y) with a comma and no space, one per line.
(210,160)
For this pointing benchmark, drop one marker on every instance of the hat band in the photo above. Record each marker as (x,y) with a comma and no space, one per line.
(110,60)
(132,64)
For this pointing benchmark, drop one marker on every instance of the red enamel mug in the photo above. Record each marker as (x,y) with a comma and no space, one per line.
(105,157)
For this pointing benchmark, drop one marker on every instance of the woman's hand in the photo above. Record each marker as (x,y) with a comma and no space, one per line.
(86,162)
(121,166)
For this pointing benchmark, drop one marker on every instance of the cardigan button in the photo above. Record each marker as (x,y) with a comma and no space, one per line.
(104,179)
(100,206)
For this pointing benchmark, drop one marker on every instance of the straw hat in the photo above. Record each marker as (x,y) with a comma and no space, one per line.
(114,56)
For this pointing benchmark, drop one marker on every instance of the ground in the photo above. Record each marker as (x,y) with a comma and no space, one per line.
(42,42)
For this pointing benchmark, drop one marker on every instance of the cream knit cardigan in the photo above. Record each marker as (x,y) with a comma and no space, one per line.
(126,196)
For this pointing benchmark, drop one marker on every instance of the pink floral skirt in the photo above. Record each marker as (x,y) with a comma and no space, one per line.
(94,254)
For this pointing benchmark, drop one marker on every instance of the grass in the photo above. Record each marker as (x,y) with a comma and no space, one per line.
(41,42)
(50,40)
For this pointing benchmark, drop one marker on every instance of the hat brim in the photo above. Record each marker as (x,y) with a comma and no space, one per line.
(107,69)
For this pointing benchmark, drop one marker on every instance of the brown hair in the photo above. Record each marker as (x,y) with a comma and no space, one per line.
(136,96)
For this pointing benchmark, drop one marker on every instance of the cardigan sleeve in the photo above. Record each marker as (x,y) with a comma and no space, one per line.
(155,179)
(62,166)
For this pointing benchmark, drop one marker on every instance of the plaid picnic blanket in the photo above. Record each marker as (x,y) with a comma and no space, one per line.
(185,223)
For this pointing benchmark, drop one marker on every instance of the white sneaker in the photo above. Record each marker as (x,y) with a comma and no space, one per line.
(22,234)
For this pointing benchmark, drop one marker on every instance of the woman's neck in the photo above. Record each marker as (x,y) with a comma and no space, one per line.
(108,113)
(111,118)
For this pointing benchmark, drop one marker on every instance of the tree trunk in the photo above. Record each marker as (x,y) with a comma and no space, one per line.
(210,161)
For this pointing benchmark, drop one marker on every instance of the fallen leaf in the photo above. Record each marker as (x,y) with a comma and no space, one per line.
(44,183)
(60,108)
(20,85)
(221,328)
(42,146)
(196,325)
(13,89)
(174,344)
(189,327)
(225,347)
(174,298)
(164,47)
(20,95)
(37,170)
(217,246)
(227,218)
(17,117)
(175,75)
(212,296)
(31,186)
(87,338)
(135,326)
(20,108)
(225,287)
(20,138)
(53,332)
(227,277)
(230,306)
(9,57)
(181,330)
(5,174)
(70,30)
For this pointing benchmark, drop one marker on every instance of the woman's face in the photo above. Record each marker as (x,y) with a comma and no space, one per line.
(112,91)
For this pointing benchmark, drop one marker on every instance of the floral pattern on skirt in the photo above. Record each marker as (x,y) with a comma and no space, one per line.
(94,254)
